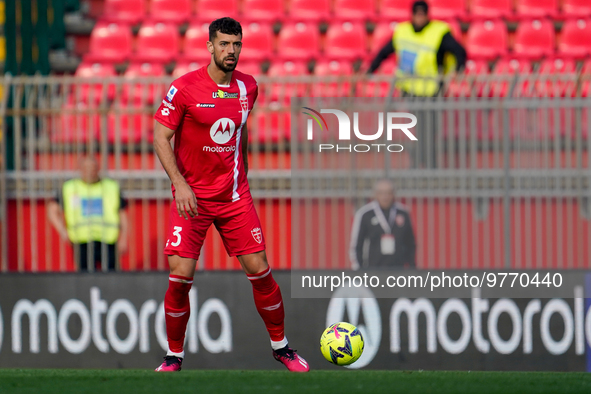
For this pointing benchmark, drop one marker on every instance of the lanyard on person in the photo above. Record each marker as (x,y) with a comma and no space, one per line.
(387,241)
(384,223)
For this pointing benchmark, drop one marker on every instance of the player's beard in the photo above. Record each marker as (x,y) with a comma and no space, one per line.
(222,66)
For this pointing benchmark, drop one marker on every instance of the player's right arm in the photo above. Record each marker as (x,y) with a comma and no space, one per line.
(186,202)
(55,214)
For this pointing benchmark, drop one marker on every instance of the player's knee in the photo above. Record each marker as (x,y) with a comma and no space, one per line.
(254,263)
(182,266)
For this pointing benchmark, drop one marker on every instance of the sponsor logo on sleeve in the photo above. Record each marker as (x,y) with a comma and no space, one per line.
(171,92)
(169,105)
(165,112)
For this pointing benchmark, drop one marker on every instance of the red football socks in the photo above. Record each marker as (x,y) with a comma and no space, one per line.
(177,310)
(269,303)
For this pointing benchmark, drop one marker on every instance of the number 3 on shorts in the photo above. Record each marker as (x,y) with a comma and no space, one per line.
(177,234)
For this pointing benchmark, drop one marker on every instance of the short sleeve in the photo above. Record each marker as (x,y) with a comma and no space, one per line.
(172,108)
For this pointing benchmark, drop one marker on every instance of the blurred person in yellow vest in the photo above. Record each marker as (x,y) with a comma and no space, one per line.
(90,213)
(424,50)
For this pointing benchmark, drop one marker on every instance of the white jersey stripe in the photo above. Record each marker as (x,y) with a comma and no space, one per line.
(235,195)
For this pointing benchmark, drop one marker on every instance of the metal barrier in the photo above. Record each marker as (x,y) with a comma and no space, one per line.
(505,180)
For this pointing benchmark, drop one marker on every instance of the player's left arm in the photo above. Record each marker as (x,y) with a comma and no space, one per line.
(122,242)
(245,148)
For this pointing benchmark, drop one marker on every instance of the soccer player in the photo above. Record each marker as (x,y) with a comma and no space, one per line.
(206,111)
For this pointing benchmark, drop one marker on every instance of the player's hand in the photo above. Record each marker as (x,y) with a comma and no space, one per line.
(122,246)
(186,202)
(64,235)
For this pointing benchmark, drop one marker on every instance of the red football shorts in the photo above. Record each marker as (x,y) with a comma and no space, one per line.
(237,222)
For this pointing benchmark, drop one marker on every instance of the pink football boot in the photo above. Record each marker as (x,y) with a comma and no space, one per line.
(291,360)
(170,364)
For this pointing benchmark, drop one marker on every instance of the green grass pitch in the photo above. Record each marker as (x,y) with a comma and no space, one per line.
(65,381)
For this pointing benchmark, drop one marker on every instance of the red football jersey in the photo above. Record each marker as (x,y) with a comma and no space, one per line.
(208,119)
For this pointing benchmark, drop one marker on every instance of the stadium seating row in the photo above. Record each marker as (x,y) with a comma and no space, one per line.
(135,11)
(487,40)
(129,120)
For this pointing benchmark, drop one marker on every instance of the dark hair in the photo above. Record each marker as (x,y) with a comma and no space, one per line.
(224,25)
(420,6)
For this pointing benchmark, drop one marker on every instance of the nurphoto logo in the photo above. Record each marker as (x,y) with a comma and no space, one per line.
(344,132)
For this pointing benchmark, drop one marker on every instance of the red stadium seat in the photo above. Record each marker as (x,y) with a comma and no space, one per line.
(534,39)
(575,38)
(97,71)
(79,122)
(300,41)
(465,85)
(284,91)
(309,10)
(124,11)
(183,68)
(109,42)
(257,42)
(250,68)
(141,92)
(503,70)
(355,10)
(556,78)
(263,10)
(512,66)
(536,8)
(209,10)
(447,9)
(131,124)
(336,87)
(459,124)
(491,9)
(486,40)
(195,45)
(373,88)
(287,68)
(176,11)
(576,8)
(345,41)
(270,126)
(395,10)
(157,42)
(382,34)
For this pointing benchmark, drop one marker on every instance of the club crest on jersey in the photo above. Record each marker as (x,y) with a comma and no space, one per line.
(244,103)
(171,92)
(222,130)
(257,234)
(224,95)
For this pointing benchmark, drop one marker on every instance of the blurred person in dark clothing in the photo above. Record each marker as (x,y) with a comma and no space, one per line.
(382,234)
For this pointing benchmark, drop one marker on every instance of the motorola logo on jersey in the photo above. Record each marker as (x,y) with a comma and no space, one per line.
(222,130)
